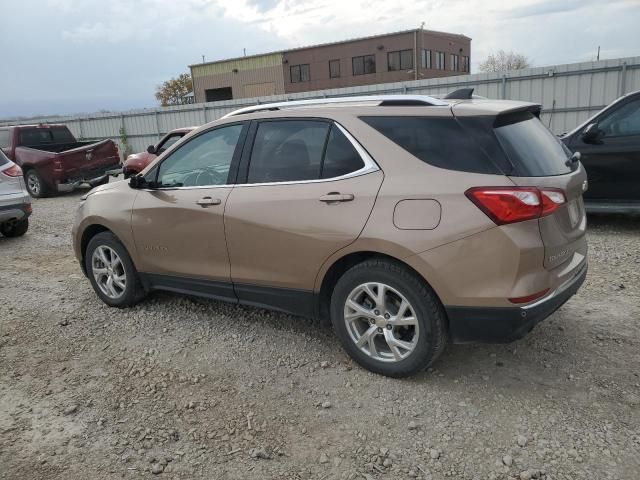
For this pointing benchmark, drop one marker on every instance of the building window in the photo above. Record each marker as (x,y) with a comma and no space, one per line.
(400,60)
(455,62)
(426,58)
(363,65)
(299,73)
(465,64)
(439,60)
(334,68)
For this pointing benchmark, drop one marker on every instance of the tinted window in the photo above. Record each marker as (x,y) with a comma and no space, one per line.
(4,138)
(32,137)
(3,158)
(438,141)
(623,121)
(203,160)
(340,156)
(286,151)
(532,149)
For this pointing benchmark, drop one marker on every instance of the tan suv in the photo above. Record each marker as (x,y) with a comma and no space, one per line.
(409,221)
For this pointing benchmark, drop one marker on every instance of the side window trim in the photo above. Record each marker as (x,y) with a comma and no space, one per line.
(369,163)
(232,168)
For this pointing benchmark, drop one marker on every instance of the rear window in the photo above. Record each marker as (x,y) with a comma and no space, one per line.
(30,137)
(438,141)
(532,149)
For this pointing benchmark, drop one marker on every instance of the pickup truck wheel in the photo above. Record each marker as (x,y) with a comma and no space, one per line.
(35,185)
(15,229)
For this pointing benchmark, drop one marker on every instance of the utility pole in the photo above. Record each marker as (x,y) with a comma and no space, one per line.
(202,58)
(598,55)
(244,52)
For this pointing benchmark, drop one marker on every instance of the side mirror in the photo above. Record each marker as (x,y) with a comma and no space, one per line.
(151,149)
(138,181)
(592,134)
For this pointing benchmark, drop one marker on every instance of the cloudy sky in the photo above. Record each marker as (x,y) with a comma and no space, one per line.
(67,56)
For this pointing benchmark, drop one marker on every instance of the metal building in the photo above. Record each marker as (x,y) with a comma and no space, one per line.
(393,57)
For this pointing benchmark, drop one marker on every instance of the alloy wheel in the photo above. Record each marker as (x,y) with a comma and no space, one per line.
(33,182)
(108,272)
(381,322)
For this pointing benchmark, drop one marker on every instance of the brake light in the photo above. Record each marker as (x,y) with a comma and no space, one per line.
(506,205)
(13,171)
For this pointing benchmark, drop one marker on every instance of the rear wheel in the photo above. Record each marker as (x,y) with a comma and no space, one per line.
(388,319)
(35,185)
(15,229)
(111,271)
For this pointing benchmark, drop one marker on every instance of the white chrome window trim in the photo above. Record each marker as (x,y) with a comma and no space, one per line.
(369,165)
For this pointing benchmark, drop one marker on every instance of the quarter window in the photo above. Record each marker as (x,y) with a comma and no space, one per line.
(623,122)
(299,73)
(364,64)
(169,142)
(334,68)
(203,161)
(400,60)
(341,157)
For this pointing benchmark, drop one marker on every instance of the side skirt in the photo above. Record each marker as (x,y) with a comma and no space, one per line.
(288,300)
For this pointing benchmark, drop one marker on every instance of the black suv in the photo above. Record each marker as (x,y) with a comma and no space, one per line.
(609,144)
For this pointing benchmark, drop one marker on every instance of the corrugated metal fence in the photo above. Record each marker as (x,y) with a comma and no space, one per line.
(568,93)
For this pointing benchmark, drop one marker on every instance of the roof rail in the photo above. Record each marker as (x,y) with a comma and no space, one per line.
(378,100)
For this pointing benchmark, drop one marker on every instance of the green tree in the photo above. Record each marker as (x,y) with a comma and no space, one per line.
(503,61)
(172,91)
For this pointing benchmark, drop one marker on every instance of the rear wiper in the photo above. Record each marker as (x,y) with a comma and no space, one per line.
(575,158)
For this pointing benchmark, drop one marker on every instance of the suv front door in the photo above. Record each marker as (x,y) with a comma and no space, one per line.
(612,161)
(304,191)
(178,225)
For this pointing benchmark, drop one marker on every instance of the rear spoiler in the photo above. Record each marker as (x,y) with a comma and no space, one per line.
(517,115)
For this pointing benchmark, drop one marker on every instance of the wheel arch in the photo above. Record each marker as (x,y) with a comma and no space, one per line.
(344,263)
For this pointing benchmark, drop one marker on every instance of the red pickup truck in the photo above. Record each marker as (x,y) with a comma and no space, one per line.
(53,161)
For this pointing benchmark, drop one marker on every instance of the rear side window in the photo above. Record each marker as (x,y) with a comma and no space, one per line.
(4,138)
(285,151)
(438,141)
(532,149)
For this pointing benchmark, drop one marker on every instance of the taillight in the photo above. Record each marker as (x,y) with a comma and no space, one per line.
(13,171)
(506,205)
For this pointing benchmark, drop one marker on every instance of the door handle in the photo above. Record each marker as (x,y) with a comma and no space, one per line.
(208,201)
(336,197)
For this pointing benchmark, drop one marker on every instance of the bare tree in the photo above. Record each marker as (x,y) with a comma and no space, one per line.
(172,91)
(503,61)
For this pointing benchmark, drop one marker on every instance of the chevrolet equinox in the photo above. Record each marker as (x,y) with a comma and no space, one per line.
(409,221)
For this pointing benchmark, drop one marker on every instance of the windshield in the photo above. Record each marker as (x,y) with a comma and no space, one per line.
(532,149)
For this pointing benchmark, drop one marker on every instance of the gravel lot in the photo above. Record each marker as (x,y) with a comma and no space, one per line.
(186,388)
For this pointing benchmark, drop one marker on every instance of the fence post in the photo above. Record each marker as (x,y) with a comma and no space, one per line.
(204,113)
(157,124)
(504,87)
(623,79)
(81,129)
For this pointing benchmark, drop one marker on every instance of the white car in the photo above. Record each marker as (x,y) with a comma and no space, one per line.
(15,201)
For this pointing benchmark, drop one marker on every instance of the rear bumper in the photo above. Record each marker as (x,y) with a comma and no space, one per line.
(506,324)
(16,211)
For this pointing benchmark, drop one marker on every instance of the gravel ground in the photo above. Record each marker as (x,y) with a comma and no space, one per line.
(184,388)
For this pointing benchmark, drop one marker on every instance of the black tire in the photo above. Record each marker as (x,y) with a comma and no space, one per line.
(15,229)
(425,303)
(35,184)
(103,181)
(133,291)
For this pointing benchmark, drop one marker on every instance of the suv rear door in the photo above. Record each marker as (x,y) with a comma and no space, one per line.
(305,190)
(541,160)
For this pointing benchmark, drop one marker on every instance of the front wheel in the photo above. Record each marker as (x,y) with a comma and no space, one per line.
(388,319)
(111,271)
(15,229)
